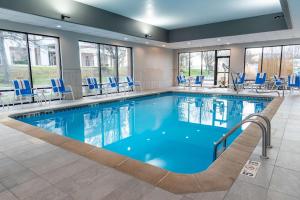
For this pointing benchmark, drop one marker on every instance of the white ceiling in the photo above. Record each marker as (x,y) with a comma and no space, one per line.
(172,14)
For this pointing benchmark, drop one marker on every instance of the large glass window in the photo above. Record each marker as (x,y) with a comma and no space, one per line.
(108,57)
(290,60)
(15,54)
(184,63)
(115,61)
(195,63)
(124,63)
(277,60)
(271,61)
(252,62)
(199,63)
(44,57)
(14,58)
(89,61)
(208,66)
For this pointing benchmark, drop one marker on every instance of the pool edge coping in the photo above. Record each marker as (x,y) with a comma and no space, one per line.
(218,177)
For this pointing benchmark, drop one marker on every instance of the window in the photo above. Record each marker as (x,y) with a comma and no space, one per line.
(89,59)
(252,62)
(15,53)
(278,60)
(114,61)
(108,55)
(184,64)
(14,62)
(44,57)
(195,62)
(221,53)
(290,60)
(271,61)
(208,66)
(124,63)
(199,63)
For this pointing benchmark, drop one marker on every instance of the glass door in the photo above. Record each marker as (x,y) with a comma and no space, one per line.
(222,75)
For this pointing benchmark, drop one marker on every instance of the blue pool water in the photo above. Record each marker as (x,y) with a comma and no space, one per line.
(174,131)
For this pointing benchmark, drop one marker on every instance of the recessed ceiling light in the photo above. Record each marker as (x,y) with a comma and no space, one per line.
(163,45)
(125,38)
(58,26)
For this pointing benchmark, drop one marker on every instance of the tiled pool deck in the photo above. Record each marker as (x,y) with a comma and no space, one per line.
(34,169)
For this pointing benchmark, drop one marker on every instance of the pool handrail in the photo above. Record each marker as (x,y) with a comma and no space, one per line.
(266,134)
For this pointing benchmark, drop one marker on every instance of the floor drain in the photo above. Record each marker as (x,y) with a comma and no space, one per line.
(250,168)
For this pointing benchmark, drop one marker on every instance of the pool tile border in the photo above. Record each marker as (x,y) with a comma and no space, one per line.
(218,177)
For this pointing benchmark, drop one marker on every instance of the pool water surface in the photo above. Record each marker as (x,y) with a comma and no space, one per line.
(173,131)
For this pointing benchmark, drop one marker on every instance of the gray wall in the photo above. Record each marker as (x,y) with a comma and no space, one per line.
(237,52)
(153,66)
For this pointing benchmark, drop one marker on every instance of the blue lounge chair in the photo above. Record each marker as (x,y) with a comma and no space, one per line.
(293,82)
(22,89)
(260,80)
(199,80)
(278,83)
(181,80)
(113,84)
(239,80)
(59,88)
(133,84)
(93,85)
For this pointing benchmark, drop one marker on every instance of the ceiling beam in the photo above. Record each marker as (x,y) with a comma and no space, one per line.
(286,12)
(263,23)
(78,13)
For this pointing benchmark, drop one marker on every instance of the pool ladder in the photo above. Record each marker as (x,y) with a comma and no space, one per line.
(265,129)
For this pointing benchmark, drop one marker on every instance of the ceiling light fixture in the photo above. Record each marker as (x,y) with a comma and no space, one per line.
(58,26)
(163,45)
(147,36)
(64,17)
(125,38)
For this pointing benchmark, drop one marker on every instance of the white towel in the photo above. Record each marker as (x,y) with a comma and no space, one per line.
(92,81)
(21,84)
(57,82)
(261,75)
(293,79)
(241,75)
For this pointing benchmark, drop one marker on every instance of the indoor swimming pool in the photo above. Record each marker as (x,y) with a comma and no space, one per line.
(173,131)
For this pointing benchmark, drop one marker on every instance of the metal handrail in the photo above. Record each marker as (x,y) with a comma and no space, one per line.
(268,128)
(264,92)
(265,136)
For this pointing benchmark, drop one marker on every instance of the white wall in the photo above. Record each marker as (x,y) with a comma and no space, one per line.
(153,66)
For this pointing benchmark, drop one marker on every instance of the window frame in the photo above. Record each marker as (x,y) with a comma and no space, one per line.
(117,63)
(262,55)
(29,58)
(202,51)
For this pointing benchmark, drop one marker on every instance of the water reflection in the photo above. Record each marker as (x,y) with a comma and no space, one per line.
(216,112)
(175,132)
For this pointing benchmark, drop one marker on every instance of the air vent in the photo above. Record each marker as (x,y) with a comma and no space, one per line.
(279,17)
